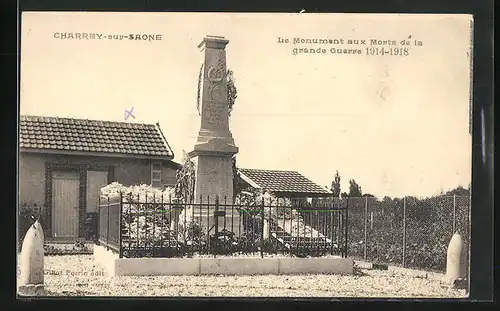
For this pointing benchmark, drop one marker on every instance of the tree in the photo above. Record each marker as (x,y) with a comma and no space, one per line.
(387,199)
(336,185)
(354,189)
(185,179)
(460,191)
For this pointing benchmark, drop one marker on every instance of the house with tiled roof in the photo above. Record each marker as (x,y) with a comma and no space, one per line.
(63,163)
(290,184)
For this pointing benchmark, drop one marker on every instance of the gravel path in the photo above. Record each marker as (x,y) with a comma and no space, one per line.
(79,275)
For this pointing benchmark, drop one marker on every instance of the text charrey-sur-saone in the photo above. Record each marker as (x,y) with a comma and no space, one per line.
(100,36)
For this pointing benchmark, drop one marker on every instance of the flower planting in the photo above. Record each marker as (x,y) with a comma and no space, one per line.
(147,213)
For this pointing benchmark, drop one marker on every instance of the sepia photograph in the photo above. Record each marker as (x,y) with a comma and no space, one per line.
(244,155)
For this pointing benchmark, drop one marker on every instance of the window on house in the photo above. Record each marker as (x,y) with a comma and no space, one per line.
(156,174)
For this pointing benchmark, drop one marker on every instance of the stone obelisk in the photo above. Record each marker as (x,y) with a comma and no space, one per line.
(215,145)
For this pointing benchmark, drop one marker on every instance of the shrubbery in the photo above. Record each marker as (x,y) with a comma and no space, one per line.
(149,223)
(146,216)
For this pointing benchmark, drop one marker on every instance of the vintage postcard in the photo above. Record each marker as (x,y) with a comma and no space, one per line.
(244,155)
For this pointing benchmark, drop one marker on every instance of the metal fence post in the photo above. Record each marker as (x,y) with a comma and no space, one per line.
(333,228)
(366,224)
(99,219)
(454,214)
(120,250)
(153,219)
(216,225)
(107,229)
(404,230)
(346,226)
(262,231)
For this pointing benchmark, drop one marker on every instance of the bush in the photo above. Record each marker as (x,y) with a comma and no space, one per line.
(146,216)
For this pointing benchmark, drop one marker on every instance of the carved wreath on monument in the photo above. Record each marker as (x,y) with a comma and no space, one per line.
(216,75)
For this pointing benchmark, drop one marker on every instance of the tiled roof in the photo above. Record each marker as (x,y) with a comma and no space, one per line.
(282,181)
(81,135)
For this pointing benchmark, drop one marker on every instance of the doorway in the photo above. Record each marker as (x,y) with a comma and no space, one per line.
(65,204)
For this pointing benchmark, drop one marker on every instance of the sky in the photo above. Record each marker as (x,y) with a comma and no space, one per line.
(396,124)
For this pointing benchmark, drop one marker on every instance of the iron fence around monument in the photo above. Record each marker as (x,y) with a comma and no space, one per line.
(109,223)
(155,227)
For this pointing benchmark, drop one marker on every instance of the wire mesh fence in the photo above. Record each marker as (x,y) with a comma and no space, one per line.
(408,232)
(384,231)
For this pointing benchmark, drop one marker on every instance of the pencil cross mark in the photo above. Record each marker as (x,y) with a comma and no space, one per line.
(129,113)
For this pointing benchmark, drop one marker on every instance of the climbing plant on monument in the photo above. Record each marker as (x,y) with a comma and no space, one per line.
(232,92)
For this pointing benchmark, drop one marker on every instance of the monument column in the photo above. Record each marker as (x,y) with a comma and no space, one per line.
(215,146)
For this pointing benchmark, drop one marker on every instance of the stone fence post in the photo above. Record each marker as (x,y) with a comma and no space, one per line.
(31,262)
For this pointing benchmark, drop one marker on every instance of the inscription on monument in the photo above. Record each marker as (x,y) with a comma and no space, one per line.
(212,175)
(214,114)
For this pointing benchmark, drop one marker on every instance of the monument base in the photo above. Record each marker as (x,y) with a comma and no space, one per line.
(214,180)
(205,136)
(230,222)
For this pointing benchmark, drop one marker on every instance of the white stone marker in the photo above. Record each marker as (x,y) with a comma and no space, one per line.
(266,229)
(455,262)
(31,262)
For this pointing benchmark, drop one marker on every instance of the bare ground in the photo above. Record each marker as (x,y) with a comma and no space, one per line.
(80,275)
